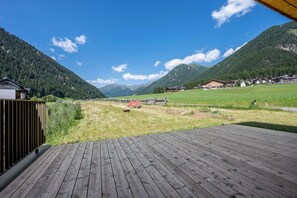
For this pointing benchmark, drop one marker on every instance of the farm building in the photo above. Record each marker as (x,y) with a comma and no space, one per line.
(286,79)
(12,90)
(212,84)
(175,89)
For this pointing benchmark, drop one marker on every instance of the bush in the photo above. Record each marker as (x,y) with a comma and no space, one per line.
(49,98)
(61,117)
(35,98)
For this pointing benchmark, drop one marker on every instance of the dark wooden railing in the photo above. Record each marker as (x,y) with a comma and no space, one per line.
(22,130)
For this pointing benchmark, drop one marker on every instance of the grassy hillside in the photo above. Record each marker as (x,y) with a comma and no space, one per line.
(272,53)
(275,95)
(28,66)
(179,76)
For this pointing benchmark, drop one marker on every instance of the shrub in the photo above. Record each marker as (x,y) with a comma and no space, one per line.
(49,98)
(61,117)
(35,98)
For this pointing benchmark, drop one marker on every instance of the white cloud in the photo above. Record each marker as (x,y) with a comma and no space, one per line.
(101,82)
(231,50)
(53,57)
(61,56)
(52,50)
(157,63)
(228,52)
(66,44)
(233,7)
(119,68)
(79,63)
(129,76)
(199,57)
(82,39)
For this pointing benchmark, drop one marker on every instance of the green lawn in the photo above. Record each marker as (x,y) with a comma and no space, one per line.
(275,95)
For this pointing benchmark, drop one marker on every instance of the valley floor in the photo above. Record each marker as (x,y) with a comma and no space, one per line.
(106,120)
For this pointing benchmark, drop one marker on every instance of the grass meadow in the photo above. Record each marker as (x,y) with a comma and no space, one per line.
(106,120)
(283,95)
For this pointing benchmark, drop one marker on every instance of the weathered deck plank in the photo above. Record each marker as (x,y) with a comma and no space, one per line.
(67,186)
(198,176)
(137,187)
(260,176)
(122,185)
(95,183)
(108,186)
(164,186)
(54,186)
(181,188)
(13,186)
(227,161)
(151,188)
(46,178)
(33,179)
(217,165)
(208,175)
(82,181)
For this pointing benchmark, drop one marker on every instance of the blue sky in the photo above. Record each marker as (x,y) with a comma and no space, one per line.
(135,41)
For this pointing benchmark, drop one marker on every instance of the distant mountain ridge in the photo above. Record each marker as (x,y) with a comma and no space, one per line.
(115,90)
(178,76)
(272,53)
(30,67)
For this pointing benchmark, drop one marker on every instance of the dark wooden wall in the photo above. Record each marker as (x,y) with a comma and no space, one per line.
(22,130)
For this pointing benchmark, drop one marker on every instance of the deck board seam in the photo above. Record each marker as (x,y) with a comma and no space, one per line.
(78,170)
(90,170)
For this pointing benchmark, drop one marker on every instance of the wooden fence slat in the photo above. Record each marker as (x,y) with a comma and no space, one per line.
(14,133)
(7,134)
(1,136)
(22,130)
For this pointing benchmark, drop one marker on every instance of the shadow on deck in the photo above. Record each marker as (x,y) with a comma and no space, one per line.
(226,161)
(279,127)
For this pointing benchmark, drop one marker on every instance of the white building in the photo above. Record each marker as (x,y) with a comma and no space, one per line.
(12,90)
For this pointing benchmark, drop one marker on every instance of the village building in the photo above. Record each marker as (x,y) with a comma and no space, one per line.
(230,83)
(213,84)
(242,84)
(248,82)
(256,81)
(175,89)
(12,90)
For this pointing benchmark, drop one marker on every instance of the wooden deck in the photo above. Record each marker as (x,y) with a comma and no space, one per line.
(226,161)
